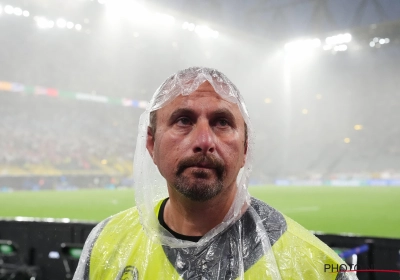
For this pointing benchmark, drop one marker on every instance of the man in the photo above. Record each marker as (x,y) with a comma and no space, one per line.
(197,220)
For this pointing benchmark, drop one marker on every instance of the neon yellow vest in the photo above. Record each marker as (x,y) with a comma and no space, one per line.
(123,245)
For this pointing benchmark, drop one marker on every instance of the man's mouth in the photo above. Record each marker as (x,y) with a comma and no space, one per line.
(202,163)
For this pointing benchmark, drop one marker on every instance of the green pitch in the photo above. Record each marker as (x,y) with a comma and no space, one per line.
(369,211)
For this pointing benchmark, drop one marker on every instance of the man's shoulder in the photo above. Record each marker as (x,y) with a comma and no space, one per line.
(286,232)
(118,228)
(128,218)
(273,221)
(297,234)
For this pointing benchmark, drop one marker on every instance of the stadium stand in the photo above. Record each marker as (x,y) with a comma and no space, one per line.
(48,138)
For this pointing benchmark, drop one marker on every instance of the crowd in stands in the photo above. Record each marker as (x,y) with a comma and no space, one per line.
(64,134)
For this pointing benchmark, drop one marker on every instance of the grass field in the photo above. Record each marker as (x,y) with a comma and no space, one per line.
(369,211)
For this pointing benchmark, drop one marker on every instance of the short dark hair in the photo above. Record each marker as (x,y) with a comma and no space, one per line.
(153,127)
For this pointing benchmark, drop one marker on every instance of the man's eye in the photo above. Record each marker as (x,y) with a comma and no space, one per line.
(222,122)
(184,121)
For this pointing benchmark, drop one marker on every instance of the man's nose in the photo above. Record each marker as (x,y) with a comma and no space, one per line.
(204,138)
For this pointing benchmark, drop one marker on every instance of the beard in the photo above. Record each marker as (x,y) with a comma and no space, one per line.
(200,184)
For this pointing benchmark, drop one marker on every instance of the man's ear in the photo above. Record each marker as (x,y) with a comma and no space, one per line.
(150,142)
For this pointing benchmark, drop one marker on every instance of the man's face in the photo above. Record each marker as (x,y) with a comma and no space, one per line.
(199,144)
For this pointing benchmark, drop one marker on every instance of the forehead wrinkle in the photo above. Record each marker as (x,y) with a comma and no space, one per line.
(190,103)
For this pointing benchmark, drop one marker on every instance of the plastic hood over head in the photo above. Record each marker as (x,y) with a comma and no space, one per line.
(150,186)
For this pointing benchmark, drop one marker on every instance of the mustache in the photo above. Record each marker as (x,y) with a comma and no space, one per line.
(209,161)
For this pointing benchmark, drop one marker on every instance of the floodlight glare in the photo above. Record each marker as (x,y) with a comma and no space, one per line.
(387,41)
(372,44)
(340,48)
(61,23)
(381,41)
(203,31)
(70,25)
(26,13)
(43,22)
(185,25)
(302,45)
(8,9)
(191,26)
(339,39)
(164,19)
(78,27)
(346,37)
(17,11)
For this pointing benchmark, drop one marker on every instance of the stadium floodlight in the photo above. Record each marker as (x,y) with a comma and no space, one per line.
(9,9)
(78,27)
(346,38)
(26,13)
(50,24)
(338,39)
(203,31)
(191,27)
(17,11)
(304,111)
(44,23)
(61,23)
(70,25)
(377,42)
(340,48)
(358,127)
(185,25)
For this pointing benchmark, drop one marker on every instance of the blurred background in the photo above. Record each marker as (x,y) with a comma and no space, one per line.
(321,81)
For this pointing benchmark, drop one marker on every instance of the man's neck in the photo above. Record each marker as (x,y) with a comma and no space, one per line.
(195,218)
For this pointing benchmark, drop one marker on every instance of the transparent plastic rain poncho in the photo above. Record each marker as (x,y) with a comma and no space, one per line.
(258,243)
